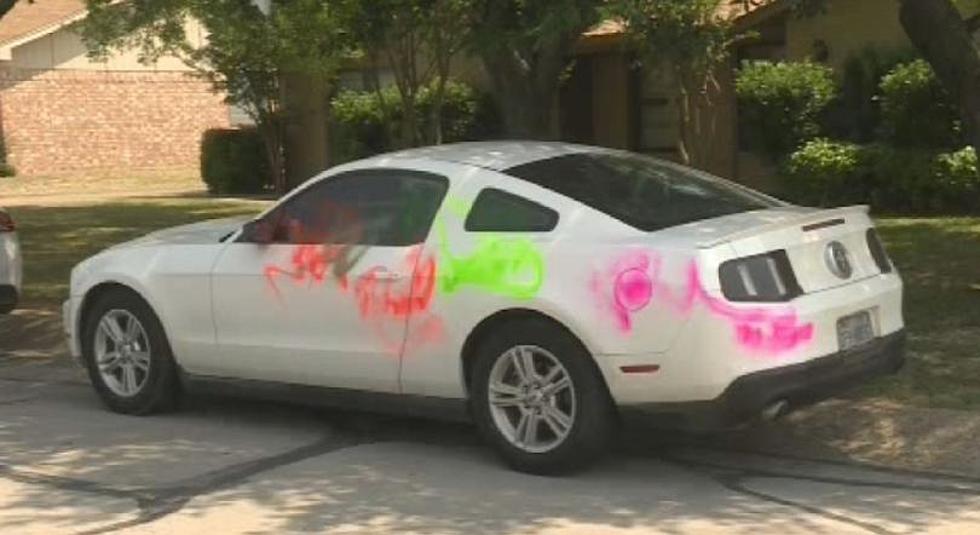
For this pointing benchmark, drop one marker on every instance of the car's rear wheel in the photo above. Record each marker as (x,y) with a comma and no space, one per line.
(538,398)
(128,357)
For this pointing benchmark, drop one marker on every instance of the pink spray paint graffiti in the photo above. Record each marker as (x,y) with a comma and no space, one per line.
(761,330)
(633,282)
(627,286)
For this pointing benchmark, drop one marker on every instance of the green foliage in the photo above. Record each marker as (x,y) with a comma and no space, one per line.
(825,173)
(903,180)
(687,34)
(234,161)
(958,178)
(916,110)
(368,122)
(245,53)
(781,104)
(856,115)
(525,45)
(417,40)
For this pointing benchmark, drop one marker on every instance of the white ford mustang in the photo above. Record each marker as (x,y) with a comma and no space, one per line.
(542,289)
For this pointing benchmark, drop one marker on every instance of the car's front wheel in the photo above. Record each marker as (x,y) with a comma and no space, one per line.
(128,357)
(539,400)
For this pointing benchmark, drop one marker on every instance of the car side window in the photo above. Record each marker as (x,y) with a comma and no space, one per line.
(392,207)
(495,210)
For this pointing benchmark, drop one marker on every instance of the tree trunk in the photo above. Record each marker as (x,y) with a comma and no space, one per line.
(940,34)
(437,102)
(525,94)
(271,132)
(306,136)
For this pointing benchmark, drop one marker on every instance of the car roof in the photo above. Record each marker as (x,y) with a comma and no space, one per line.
(494,155)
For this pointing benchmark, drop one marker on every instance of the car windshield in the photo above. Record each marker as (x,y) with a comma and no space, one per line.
(643,192)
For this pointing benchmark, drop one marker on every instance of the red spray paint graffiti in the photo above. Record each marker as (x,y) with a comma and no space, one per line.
(381,299)
(633,282)
(386,303)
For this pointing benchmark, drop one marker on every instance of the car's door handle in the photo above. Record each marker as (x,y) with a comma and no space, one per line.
(385,275)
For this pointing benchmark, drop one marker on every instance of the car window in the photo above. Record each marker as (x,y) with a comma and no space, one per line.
(645,193)
(498,211)
(374,207)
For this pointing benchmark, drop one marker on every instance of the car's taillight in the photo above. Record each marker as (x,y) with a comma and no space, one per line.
(766,277)
(878,251)
(6,222)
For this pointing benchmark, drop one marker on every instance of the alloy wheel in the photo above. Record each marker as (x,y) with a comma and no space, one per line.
(532,398)
(122,352)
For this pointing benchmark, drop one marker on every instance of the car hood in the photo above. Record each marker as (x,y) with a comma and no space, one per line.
(204,232)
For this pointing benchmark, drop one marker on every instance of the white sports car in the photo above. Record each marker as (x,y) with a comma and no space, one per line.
(541,289)
(10,263)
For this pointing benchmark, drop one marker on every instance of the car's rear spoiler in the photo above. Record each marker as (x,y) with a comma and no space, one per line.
(808,221)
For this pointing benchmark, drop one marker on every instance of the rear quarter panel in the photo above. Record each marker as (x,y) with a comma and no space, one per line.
(567,274)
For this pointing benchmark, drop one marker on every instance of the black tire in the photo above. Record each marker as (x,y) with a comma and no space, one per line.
(595,421)
(160,390)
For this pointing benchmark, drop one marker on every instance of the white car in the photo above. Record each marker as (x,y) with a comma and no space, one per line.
(542,289)
(10,263)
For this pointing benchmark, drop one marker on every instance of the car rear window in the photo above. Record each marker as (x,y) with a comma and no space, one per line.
(643,192)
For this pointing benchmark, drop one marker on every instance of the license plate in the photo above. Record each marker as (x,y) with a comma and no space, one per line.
(855,330)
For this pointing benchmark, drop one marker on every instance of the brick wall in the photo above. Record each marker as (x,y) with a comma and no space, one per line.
(61,121)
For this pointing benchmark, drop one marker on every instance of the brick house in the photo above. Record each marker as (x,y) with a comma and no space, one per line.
(61,112)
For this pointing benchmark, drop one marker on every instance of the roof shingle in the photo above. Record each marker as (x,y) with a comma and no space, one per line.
(27,18)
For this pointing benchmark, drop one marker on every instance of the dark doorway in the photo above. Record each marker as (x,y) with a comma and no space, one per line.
(575,103)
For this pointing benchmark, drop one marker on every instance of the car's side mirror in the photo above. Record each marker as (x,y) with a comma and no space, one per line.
(258,231)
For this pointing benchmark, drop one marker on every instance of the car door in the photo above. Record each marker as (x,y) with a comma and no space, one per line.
(327,299)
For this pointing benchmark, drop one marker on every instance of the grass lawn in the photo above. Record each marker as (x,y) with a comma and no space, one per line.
(939,258)
(55,238)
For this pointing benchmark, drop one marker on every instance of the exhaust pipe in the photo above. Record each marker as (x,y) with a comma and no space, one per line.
(774,410)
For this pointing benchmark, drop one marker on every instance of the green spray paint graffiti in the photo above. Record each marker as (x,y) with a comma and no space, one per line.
(509,267)
(512,267)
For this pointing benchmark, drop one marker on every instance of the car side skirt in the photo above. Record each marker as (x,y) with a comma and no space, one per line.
(449,409)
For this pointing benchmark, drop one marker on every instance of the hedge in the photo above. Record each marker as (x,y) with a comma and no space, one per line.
(781,105)
(916,110)
(234,161)
(364,124)
(830,173)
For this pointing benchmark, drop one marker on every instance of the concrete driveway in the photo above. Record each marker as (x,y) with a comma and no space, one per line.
(228,466)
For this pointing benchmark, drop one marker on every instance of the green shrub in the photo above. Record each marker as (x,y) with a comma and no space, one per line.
(900,180)
(824,173)
(234,161)
(781,104)
(856,115)
(366,124)
(916,110)
(958,176)
(362,125)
